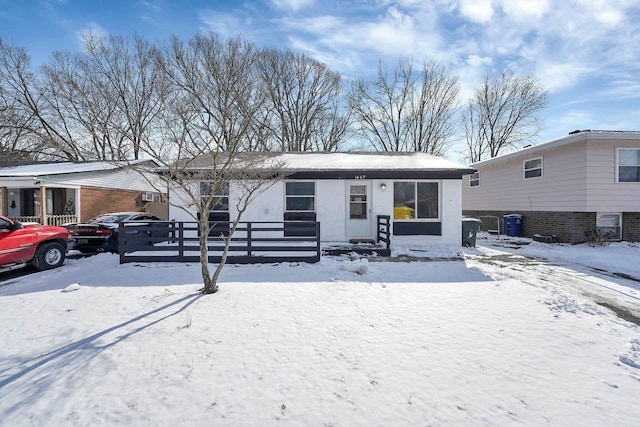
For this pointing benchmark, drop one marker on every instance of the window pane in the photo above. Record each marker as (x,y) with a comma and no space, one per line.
(300,204)
(474,179)
(404,200)
(221,188)
(358,211)
(629,157)
(220,204)
(532,164)
(358,189)
(300,188)
(612,220)
(427,200)
(629,174)
(609,223)
(533,173)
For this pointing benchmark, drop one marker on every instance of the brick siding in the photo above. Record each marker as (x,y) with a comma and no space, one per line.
(96,201)
(568,227)
(631,226)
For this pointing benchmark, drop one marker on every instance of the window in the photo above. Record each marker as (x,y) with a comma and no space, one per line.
(629,165)
(610,223)
(474,179)
(415,200)
(533,168)
(357,202)
(220,193)
(300,196)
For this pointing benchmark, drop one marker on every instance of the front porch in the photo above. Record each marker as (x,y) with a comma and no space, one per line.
(252,243)
(39,204)
(48,219)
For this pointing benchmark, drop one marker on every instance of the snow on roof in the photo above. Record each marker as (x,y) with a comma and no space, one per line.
(337,161)
(56,168)
(366,161)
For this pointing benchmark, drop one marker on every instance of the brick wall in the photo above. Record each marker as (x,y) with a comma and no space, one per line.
(631,226)
(568,227)
(96,201)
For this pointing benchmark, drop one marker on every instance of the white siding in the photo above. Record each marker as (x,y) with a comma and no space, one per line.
(604,193)
(118,179)
(562,186)
(577,177)
(331,209)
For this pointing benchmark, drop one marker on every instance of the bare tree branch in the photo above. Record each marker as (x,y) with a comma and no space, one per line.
(304,111)
(502,114)
(405,110)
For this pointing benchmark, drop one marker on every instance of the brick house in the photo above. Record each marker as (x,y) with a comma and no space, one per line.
(58,192)
(586,181)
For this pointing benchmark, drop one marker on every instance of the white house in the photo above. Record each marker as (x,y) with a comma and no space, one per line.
(588,180)
(348,192)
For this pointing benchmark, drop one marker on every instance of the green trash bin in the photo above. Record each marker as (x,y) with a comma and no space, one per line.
(470,228)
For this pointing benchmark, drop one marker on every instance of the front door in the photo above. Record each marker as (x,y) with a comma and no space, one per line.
(359,209)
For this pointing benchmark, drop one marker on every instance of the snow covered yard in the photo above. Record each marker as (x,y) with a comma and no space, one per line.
(495,339)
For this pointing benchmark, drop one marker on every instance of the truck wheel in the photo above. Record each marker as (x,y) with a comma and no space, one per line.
(49,255)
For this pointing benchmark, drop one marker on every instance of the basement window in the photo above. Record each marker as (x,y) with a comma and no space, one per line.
(610,223)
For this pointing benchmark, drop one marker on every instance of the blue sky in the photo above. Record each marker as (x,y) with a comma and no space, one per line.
(585,52)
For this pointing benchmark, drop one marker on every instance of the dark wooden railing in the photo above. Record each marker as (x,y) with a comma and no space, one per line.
(252,243)
(384,232)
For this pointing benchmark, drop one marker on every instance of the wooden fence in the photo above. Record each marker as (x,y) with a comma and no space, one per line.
(252,243)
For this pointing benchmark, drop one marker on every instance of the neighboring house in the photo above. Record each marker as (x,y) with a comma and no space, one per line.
(586,181)
(346,192)
(54,193)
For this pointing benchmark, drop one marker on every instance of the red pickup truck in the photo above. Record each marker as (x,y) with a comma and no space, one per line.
(44,246)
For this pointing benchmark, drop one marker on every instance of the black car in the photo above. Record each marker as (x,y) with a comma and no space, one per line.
(100,234)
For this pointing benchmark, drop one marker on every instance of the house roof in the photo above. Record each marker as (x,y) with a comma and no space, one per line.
(366,161)
(37,169)
(347,165)
(575,136)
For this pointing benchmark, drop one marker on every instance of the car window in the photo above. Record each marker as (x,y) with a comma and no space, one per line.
(4,224)
(109,218)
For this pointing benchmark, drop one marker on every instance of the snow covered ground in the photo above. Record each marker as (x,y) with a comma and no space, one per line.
(514,333)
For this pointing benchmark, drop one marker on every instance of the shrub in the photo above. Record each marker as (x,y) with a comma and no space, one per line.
(598,237)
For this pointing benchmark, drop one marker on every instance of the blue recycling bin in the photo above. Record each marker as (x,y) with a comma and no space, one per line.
(513,225)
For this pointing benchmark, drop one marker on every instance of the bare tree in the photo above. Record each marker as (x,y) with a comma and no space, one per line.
(102,102)
(19,125)
(78,109)
(407,110)
(95,104)
(502,114)
(206,128)
(16,142)
(125,69)
(304,110)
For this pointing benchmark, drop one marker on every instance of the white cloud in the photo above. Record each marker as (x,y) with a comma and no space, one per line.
(610,17)
(91,29)
(557,75)
(523,10)
(480,11)
(478,61)
(292,5)
(226,25)
(396,32)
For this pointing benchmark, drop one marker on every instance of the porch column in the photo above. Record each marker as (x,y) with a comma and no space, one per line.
(43,205)
(4,208)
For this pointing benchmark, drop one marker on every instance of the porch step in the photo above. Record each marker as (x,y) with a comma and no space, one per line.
(368,247)
(357,241)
